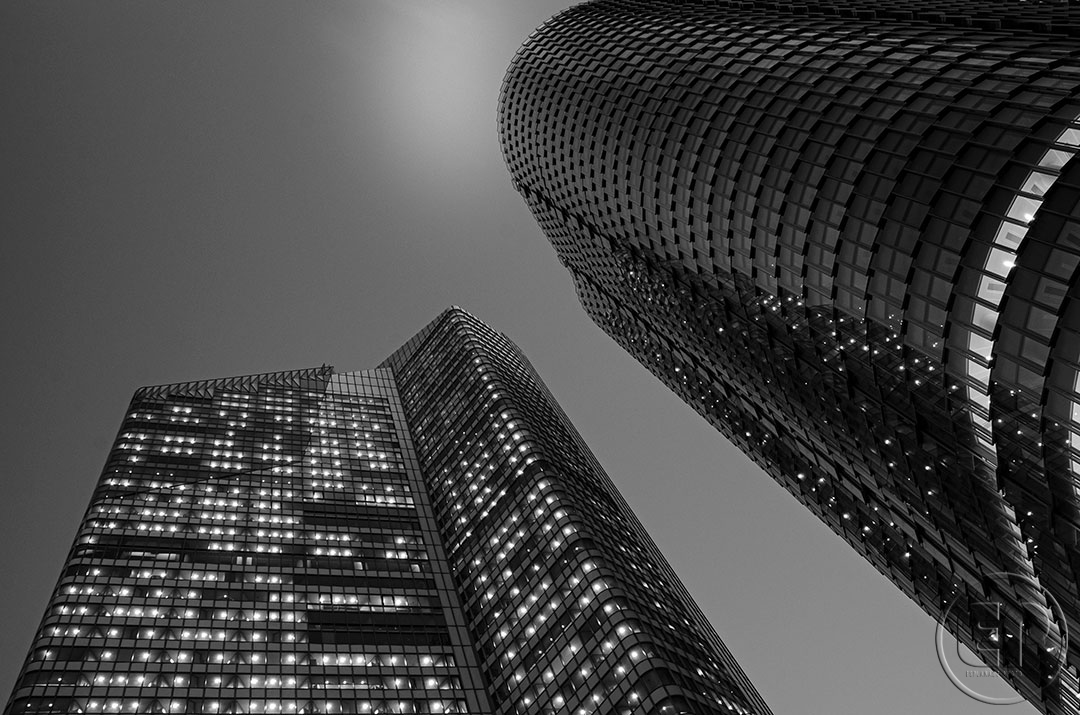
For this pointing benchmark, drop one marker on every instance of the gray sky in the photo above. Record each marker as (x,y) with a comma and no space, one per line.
(195,190)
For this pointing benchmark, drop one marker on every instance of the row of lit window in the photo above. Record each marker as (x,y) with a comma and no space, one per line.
(207,486)
(307,682)
(174,575)
(244,657)
(352,601)
(129,633)
(364,540)
(137,705)
(234,503)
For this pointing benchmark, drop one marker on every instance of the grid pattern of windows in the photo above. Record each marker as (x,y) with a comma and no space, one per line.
(844,231)
(257,545)
(571,605)
(319,542)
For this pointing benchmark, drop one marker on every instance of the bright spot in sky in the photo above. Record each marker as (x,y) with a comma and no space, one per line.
(429,77)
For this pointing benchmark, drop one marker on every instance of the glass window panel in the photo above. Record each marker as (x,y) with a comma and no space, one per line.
(1055,158)
(1041,322)
(1023,208)
(976,395)
(984,317)
(1037,183)
(1050,292)
(979,345)
(1010,234)
(1000,262)
(991,290)
(1070,137)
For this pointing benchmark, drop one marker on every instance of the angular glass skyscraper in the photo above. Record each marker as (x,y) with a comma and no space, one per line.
(431,536)
(847,233)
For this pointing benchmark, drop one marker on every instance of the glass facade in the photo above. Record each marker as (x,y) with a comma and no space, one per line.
(846,233)
(572,607)
(386,541)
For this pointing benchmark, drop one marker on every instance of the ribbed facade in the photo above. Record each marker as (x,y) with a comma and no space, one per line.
(572,607)
(847,234)
(386,541)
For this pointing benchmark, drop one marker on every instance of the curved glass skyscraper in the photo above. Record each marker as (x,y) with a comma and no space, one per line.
(431,536)
(847,234)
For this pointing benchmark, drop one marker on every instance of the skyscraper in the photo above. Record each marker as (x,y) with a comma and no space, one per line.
(846,233)
(431,536)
